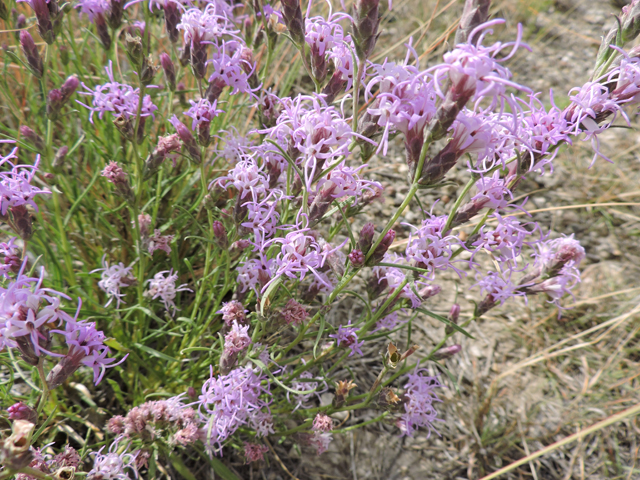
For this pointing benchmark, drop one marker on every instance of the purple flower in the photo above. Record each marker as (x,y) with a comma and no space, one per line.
(160,242)
(115,464)
(25,308)
(232,312)
(11,262)
(15,184)
(113,278)
(492,192)
(246,177)
(117,98)
(237,339)
(114,173)
(230,401)
(202,111)
(506,240)
(473,67)
(498,286)
(165,288)
(430,247)
(208,25)
(419,409)
(389,322)
(322,423)
(254,452)
(86,347)
(346,337)
(232,68)
(299,255)
(255,273)
(321,441)
(93,8)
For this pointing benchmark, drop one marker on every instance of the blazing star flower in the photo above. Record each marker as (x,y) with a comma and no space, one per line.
(25,308)
(419,409)
(304,383)
(229,401)
(113,278)
(115,464)
(255,273)
(246,177)
(254,452)
(233,311)
(15,184)
(347,337)
(202,111)
(165,288)
(232,68)
(237,339)
(430,247)
(506,240)
(473,67)
(86,347)
(299,255)
(208,25)
(322,423)
(160,242)
(117,98)
(321,441)
(93,8)
(11,262)
(294,313)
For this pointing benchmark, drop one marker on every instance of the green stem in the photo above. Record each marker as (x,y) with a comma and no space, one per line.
(456,205)
(45,386)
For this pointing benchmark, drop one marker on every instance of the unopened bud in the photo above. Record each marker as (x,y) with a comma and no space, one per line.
(292,16)
(116,11)
(171,20)
(333,87)
(21,411)
(356,257)
(220,235)
(446,352)
(32,54)
(32,138)
(43,12)
(5,14)
(475,13)
(454,313)
(64,54)
(102,30)
(148,71)
(365,26)
(169,70)
(366,238)
(187,139)
(382,247)
(198,57)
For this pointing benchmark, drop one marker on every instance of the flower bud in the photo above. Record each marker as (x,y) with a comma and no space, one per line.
(169,71)
(220,235)
(187,139)
(318,64)
(20,411)
(382,248)
(214,90)
(292,16)
(446,352)
(171,20)
(454,313)
(61,154)
(64,54)
(20,23)
(333,87)
(366,238)
(356,257)
(116,11)
(32,54)
(166,145)
(198,57)
(144,223)
(375,287)
(43,12)
(102,30)
(475,13)
(117,176)
(32,138)
(366,20)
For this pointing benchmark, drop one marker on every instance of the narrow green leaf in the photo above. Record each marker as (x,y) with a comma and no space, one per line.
(156,353)
(446,321)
